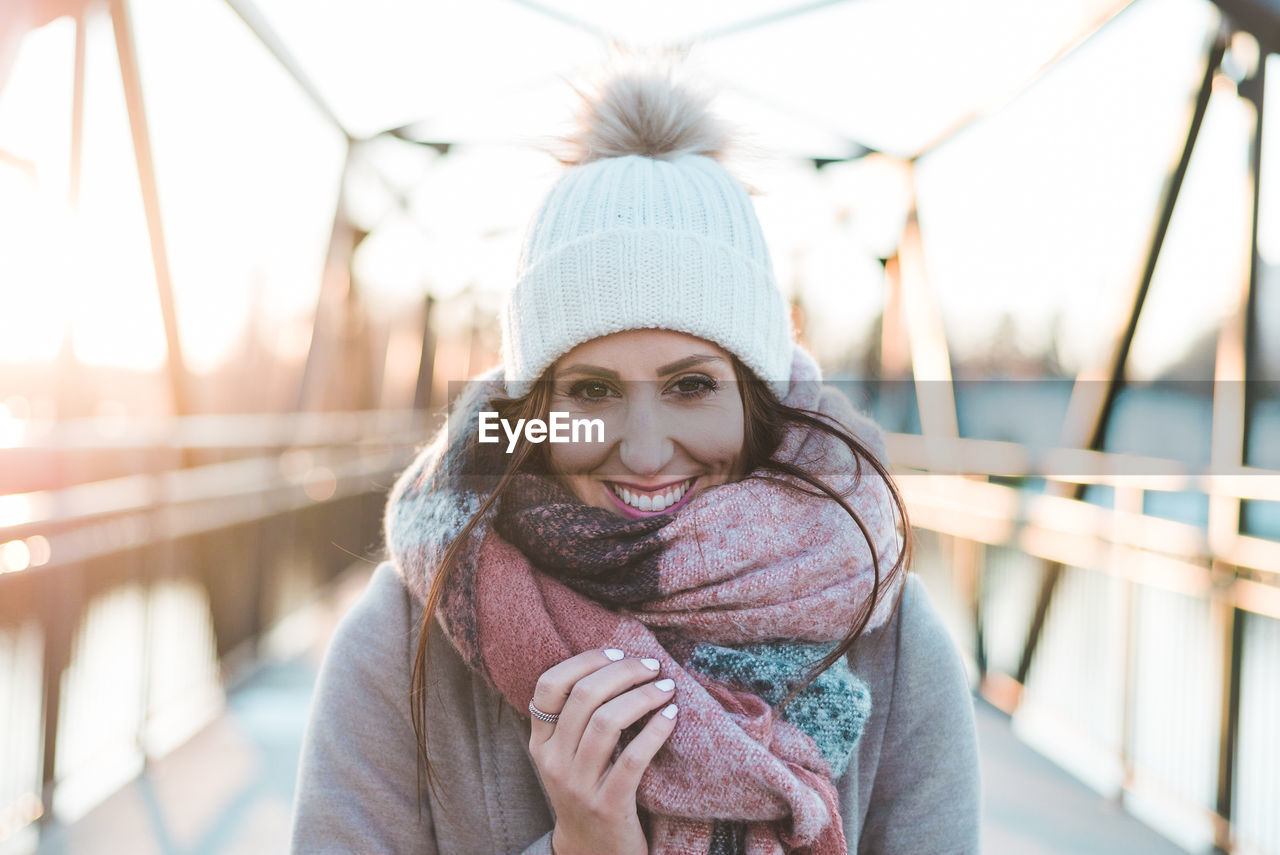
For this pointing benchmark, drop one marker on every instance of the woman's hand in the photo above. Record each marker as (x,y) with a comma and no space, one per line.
(597,694)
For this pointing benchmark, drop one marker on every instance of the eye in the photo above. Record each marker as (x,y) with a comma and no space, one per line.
(590,390)
(694,386)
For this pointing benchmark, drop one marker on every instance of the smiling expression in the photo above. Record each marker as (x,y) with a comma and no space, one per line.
(673,420)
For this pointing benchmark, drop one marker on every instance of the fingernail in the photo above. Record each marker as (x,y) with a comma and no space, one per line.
(666,685)
(651,664)
(614,654)
(670,711)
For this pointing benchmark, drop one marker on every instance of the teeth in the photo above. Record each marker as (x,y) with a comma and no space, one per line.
(645,502)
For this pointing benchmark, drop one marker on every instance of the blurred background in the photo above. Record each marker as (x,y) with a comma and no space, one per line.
(246,244)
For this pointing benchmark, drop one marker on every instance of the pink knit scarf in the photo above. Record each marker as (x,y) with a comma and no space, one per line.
(734,594)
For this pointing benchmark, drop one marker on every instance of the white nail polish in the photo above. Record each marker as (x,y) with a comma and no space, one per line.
(614,654)
(651,664)
(670,711)
(666,685)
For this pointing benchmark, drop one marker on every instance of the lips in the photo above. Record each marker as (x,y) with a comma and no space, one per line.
(638,501)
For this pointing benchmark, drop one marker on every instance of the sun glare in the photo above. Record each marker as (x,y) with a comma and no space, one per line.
(248,175)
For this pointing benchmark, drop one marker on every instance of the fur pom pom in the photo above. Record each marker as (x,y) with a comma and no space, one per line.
(637,104)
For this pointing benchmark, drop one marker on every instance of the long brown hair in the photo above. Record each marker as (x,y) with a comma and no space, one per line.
(766,420)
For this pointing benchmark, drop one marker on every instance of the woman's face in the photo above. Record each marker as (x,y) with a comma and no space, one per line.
(673,420)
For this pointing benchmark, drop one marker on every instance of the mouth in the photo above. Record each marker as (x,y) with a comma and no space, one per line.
(636,502)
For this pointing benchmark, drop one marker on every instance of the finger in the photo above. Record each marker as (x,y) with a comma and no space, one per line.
(623,778)
(552,689)
(605,727)
(595,689)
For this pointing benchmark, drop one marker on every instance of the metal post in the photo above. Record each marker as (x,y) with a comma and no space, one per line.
(1239,348)
(1129,689)
(275,45)
(469,294)
(77,116)
(1090,428)
(357,391)
(967,562)
(1128,500)
(426,359)
(979,613)
(893,358)
(1232,647)
(1007,96)
(1253,89)
(926,338)
(132,81)
(335,281)
(60,596)
(1088,414)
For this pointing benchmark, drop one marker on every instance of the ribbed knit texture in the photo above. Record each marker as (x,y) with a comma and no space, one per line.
(831,710)
(636,242)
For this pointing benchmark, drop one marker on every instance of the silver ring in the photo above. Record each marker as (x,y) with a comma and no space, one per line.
(549,718)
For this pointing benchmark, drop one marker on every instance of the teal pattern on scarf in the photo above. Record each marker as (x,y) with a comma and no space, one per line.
(832,710)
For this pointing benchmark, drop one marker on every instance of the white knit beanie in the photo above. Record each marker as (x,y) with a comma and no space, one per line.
(646,230)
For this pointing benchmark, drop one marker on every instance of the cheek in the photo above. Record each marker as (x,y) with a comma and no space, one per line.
(716,435)
(572,458)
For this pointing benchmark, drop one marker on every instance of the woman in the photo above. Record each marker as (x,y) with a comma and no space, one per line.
(690,630)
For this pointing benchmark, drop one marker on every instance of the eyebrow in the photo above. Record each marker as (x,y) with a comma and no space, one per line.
(663,370)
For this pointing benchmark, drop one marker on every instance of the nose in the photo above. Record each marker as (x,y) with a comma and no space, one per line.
(646,446)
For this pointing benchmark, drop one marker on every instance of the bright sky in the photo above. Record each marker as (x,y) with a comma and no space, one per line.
(1041,209)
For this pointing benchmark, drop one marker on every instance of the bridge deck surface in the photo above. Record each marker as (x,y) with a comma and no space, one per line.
(229,789)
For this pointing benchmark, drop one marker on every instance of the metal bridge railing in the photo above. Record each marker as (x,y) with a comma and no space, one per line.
(1154,670)
(127,601)
(1153,667)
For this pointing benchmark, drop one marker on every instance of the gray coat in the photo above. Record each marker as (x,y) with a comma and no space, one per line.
(911,788)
